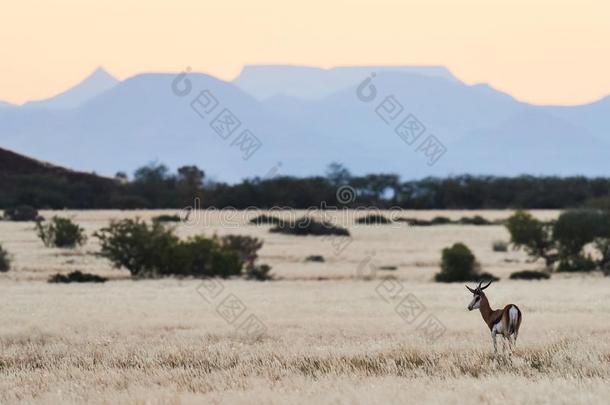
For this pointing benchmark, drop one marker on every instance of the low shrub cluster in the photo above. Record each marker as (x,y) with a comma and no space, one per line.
(155,251)
(499,246)
(458,263)
(265,220)
(61,233)
(441,220)
(166,218)
(22,213)
(373,219)
(5,260)
(315,258)
(475,220)
(76,277)
(530,275)
(259,273)
(309,226)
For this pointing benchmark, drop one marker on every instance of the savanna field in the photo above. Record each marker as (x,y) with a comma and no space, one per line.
(331,334)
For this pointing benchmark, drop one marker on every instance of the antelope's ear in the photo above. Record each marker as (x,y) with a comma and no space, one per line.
(470,289)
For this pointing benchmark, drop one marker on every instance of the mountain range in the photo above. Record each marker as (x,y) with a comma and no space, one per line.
(304,118)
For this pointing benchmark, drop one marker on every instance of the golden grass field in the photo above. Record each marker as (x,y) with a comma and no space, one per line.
(330,337)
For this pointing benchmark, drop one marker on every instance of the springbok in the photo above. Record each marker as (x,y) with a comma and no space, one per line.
(503,322)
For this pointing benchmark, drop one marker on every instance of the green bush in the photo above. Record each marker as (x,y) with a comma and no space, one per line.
(265,220)
(315,258)
(76,277)
(203,257)
(245,247)
(415,221)
(5,260)
(439,220)
(259,273)
(475,220)
(530,275)
(21,213)
(144,250)
(576,263)
(373,219)
(154,251)
(309,226)
(61,233)
(166,218)
(499,246)
(458,264)
(534,236)
(574,229)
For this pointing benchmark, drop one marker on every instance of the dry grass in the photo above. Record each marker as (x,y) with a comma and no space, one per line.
(333,342)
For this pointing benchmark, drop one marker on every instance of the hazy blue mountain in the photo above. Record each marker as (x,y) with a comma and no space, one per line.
(595,117)
(484,131)
(264,81)
(96,83)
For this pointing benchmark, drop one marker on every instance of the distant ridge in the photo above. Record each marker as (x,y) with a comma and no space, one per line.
(265,81)
(12,164)
(93,85)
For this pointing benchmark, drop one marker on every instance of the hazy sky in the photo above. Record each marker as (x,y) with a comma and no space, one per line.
(542,51)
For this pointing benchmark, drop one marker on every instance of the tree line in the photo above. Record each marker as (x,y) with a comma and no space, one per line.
(155,186)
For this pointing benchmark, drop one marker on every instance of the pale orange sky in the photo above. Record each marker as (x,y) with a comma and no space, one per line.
(542,51)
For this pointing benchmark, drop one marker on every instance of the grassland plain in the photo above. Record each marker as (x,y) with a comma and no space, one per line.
(330,337)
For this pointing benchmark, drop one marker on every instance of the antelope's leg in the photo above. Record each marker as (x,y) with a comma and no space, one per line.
(493,336)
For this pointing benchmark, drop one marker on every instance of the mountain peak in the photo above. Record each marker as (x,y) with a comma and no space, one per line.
(93,85)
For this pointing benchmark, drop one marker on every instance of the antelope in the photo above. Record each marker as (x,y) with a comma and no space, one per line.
(503,322)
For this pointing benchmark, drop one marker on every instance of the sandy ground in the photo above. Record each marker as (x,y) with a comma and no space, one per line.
(323,333)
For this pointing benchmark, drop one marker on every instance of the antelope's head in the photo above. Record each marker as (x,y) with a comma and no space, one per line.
(477,295)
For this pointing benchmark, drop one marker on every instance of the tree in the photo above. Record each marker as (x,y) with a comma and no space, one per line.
(533,235)
(191,176)
(337,174)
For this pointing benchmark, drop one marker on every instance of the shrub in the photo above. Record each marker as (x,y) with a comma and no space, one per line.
(144,250)
(309,226)
(154,251)
(203,257)
(166,218)
(259,273)
(388,268)
(440,221)
(530,275)
(77,277)
(5,260)
(475,220)
(245,247)
(415,221)
(533,235)
(576,263)
(61,233)
(22,213)
(458,264)
(499,246)
(373,219)
(574,229)
(265,220)
(315,258)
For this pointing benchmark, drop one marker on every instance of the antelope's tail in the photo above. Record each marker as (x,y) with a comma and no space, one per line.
(513,319)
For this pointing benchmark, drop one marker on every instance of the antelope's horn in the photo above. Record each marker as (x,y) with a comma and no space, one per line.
(470,289)
(488,284)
